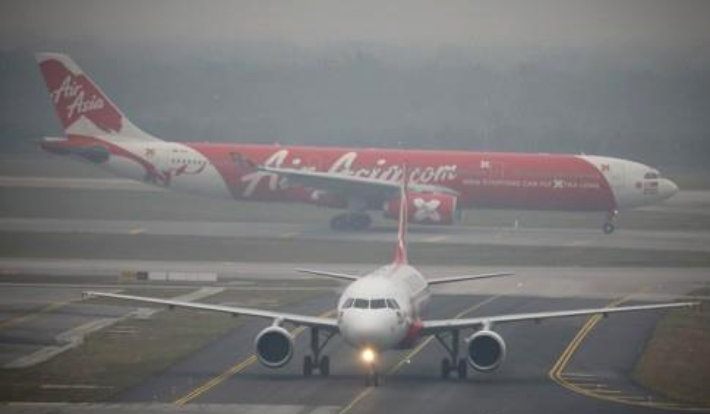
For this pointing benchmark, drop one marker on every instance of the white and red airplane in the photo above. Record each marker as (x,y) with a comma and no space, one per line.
(443,183)
(385,310)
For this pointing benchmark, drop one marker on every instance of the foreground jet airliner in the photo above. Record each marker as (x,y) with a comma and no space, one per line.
(355,180)
(385,310)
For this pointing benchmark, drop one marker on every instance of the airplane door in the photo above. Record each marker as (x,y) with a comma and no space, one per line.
(614,173)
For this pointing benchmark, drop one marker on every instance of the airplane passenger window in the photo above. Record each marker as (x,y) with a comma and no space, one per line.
(391,303)
(362,303)
(378,304)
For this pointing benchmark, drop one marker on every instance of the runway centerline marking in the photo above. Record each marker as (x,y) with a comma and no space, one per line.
(557,374)
(364,393)
(248,361)
(33,314)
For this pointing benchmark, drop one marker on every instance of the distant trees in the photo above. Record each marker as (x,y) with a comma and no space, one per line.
(658,116)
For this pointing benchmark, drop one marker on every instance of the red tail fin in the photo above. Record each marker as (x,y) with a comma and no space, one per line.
(400,254)
(81,106)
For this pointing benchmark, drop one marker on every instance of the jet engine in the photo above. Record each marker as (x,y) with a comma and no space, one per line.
(274,346)
(425,208)
(486,351)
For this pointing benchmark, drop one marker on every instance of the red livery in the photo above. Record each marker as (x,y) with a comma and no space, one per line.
(358,180)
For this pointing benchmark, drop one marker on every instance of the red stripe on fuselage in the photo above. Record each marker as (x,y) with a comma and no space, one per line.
(484,180)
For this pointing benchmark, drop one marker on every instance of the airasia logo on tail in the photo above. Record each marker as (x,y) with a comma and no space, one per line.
(74,96)
(80,104)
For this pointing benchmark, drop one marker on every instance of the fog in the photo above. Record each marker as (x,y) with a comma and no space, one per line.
(621,78)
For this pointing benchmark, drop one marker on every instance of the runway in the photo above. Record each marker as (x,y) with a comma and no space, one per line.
(61,235)
(412,383)
(698,241)
(224,373)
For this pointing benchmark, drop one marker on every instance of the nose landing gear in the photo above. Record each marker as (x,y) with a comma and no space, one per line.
(373,378)
(608,226)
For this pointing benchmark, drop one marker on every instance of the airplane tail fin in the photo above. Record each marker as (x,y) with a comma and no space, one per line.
(82,107)
(400,254)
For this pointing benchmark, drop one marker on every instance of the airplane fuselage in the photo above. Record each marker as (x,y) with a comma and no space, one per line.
(555,182)
(383,310)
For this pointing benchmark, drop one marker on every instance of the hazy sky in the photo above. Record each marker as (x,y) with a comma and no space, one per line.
(660,24)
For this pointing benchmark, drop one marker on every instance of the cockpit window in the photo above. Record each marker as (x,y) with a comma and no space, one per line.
(362,303)
(377,304)
(651,175)
(392,304)
(348,303)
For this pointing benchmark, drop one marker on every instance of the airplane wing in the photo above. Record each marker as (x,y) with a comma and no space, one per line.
(432,327)
(452,279)
(329,324)
(349,184)
(334,275)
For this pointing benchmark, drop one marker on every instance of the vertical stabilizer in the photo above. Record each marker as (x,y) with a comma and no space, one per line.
(400,255)
(81,106)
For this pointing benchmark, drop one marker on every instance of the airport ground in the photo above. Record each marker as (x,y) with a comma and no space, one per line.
(62,232)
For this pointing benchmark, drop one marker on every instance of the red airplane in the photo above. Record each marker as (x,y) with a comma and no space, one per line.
(442,183)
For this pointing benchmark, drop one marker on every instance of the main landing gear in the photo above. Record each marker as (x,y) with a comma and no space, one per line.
(608,226)
(351,221)
(316,362)
(453,363)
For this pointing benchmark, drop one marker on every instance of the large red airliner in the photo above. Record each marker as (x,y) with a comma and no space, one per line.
(442,183)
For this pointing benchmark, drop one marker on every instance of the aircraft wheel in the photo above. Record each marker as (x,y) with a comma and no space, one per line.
(359,221)
(445,368)
(307,366)
(324,366)
(462,369)
(608,228)
(376,379)
(340,222)
(373,379)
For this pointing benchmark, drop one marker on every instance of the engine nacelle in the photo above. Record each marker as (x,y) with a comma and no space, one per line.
(486,351)
(274,346)
(425,208)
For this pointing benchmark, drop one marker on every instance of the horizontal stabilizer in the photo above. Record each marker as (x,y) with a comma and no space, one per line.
(452,279)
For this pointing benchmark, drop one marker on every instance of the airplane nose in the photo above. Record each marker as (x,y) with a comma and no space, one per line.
(667,188)
(364,329)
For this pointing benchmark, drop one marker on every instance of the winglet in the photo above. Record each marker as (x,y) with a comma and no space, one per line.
(400,254)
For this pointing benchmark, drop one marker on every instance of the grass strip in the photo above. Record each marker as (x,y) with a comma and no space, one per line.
(676,361)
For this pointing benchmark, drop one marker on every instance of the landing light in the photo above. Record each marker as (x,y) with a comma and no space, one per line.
(368,356)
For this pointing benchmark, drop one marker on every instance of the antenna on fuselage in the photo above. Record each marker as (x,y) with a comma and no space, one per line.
(400,254)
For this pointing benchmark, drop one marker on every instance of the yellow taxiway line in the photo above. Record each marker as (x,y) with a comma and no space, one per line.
(240,366)
(567,380)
